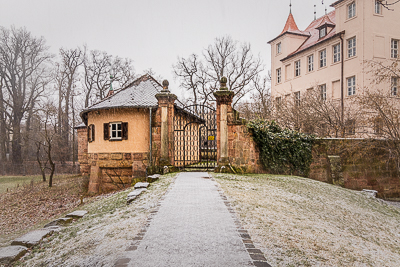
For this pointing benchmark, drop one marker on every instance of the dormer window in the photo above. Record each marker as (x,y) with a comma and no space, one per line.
(322,32)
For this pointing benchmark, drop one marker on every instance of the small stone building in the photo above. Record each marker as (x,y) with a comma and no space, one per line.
(114,141)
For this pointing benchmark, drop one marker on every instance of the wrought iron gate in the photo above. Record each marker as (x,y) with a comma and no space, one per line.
(195,137)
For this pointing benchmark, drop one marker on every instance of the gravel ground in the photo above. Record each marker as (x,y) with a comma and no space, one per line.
(102,236)
(302,222)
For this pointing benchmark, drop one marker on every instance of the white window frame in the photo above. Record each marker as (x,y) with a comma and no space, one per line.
(297,68)
(310,60)
(322,32)
(115,131)
(278,75)
(351,10)
(322,58)
(394,48)
(336,53)
(279,48)
(322,92)
(351,47)
(351,85)
(394,86)
(378,7)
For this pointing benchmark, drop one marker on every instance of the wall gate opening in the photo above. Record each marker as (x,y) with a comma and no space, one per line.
(195,137)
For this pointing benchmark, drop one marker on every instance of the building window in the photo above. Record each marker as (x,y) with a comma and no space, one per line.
(297,68)
(322,91)
(91,133)
(322,58)
(297,98)
(351,47)
(378,7)
(116,131)
(310,60)
(336,53)
(278,48)
(351,10)
(394,48)
(350,127)
(322,32)
(351,86)
(279,75)
(394,86)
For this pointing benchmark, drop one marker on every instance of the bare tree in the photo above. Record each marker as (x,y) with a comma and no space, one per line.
(97,67)
(3,131)
(201,76)
(46,140)
(388,4)
(71,59)
(23,59)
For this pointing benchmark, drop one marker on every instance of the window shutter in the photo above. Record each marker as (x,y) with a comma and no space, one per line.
(124,131)
(106,131)
(93,132)
(88,134)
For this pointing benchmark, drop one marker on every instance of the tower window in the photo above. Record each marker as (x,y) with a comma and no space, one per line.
(394,48)
(351,47)
(351,10)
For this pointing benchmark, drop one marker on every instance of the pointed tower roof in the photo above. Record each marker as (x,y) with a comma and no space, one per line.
(291,25)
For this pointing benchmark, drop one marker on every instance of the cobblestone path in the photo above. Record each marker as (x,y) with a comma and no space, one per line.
(192,227)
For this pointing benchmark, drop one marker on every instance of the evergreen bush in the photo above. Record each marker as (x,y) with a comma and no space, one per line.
(282,151)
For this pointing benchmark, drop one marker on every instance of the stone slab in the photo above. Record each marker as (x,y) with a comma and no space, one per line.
(32,238)
(141,185)
(77,214)
(372,193)
(134,194)
(11,253)
(155,176)
(60,221)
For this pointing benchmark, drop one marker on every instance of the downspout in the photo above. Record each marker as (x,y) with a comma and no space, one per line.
(342,83)
(151,140)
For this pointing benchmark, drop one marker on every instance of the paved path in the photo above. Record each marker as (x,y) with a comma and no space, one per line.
(192,227)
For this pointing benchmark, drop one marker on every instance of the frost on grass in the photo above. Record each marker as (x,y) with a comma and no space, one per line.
(101,237)
(302,222)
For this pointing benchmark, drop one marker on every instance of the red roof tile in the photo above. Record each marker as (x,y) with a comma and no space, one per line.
(313,31)
(291,26)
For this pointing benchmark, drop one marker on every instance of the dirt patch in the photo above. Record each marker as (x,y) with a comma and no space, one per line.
(33,204)
(302,222)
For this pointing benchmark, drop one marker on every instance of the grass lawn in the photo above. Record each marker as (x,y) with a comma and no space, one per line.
(302,222)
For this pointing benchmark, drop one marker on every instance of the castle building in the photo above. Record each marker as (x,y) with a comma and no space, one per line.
(331,55)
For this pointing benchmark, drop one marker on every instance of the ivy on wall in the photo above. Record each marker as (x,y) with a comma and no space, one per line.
(282,151)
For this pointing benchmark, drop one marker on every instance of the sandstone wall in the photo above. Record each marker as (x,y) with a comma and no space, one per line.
(364,164)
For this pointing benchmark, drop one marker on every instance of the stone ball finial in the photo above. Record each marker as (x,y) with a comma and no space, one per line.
(223,82)
(165,84)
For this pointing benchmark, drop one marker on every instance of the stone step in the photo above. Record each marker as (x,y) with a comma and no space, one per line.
(77,214)
(33,238)
(141,185)
(134,194)
(11,253)
(60,221)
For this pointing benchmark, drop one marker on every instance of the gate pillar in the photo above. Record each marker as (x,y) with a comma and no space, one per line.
(224,103)
(166,102)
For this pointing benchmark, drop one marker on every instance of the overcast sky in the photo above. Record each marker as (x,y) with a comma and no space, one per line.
(155,32)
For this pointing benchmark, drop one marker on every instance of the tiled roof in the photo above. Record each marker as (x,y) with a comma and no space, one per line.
(290,27)
(313,31)
(335,3)
(139,94)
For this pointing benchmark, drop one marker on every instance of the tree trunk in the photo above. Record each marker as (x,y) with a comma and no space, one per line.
(3,132)
(16,142)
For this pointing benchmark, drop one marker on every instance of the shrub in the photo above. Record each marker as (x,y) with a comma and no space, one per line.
(282,150)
